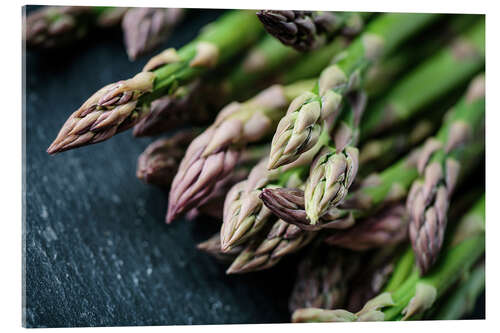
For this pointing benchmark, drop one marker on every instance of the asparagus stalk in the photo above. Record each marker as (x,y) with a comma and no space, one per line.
(307,30)
(244,213)
(376,271)
(158,164)
(146,28)
(444,71)
(300,129)
(58,26)
(335,168)
(380,77)
(186,105)
(416,294)
(379,153)
(428,199)
(121,105)
(464,297)
(282,239)
(389,227)
(212,247)
(323,279)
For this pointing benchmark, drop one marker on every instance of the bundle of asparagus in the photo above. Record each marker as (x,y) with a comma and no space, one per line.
(280,169)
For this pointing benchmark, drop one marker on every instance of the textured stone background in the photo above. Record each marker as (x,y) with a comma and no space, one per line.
(97,251)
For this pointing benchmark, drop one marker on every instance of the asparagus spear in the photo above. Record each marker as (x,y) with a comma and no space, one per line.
(464,297)
(212,247)
(187,105)
(335,168)
(323,279)
(379,153)
(58,26)
(389,227)
(415,294)
(300,128)
(428,199)
(444,71)
(307,30)
(159,162)
(372,277)
(282,239)
(244,213)
(381,76)
(121,105)
(146,28)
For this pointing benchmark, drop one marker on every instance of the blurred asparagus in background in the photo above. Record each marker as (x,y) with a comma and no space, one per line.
(59,26)
(158,164)
(323,279)
(146,28)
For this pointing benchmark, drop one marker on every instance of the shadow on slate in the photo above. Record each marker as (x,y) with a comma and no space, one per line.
(97,251)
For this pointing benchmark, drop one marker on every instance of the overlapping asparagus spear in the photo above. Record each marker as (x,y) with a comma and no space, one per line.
(307,30)
(428,199)
(212,247)
(417,294)
(146,28)
(379,190)
(121,105)
(389,227)
(463,298)
(323,279)
(259,254)
(300,128)
(158,164)
(244,213)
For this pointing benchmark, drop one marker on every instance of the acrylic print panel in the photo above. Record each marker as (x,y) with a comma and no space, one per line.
(202,166)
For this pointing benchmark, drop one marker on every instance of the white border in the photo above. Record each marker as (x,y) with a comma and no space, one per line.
(10,154)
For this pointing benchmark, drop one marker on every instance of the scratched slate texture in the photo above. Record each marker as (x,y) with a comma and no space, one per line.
(96,249)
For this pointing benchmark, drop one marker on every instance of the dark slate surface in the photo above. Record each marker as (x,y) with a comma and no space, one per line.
(98,252)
